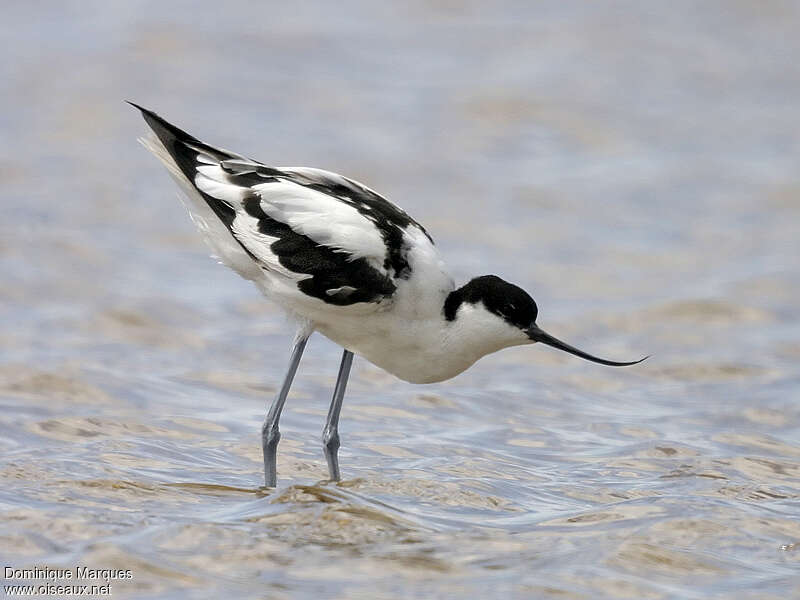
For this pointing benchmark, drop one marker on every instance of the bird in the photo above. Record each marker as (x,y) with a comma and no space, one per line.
(343,261)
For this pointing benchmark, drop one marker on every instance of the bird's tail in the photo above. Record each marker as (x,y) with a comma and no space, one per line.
(182,153)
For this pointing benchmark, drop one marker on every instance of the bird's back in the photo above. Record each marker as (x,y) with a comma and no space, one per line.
(324,247)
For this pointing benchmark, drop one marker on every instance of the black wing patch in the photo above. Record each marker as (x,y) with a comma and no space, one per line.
(390,220)
(335,277)
(184,149)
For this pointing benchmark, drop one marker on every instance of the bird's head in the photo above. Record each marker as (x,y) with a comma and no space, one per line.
(500,314)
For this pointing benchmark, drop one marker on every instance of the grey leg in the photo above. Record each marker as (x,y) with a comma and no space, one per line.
(330,435)
(270,435)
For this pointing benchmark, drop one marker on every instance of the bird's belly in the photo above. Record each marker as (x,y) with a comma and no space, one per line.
(411,350)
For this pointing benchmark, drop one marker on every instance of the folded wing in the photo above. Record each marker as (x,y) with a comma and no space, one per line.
(333,238)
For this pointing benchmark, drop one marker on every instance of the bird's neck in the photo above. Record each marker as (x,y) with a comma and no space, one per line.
(471,332)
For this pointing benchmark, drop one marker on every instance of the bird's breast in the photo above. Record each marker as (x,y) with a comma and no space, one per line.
(415,350)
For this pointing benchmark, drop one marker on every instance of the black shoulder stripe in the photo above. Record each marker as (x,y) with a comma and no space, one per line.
(329,270)
(335,278)
(389,219)
(245,177)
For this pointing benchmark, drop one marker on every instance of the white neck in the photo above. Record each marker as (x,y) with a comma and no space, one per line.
(475,332)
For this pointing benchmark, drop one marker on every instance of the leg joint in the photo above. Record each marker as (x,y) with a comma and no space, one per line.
(270,435)
(330,439)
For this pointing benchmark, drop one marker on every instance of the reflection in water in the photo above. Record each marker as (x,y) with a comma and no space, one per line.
(634,168)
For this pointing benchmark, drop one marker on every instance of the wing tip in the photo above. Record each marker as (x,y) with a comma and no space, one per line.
(134,105)
(149,115)
(166,131)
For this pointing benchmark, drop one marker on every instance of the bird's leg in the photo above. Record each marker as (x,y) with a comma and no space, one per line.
(330,435)
(270,435)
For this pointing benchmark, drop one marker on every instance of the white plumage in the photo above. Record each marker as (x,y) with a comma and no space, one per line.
(348,263)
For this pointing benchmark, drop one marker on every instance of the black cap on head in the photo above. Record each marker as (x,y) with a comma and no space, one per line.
(517,308)
(509,302)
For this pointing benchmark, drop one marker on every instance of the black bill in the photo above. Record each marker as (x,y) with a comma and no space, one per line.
(537,335)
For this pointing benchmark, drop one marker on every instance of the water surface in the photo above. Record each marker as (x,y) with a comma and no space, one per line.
(634,166)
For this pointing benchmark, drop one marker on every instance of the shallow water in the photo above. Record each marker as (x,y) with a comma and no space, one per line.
(635,166)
